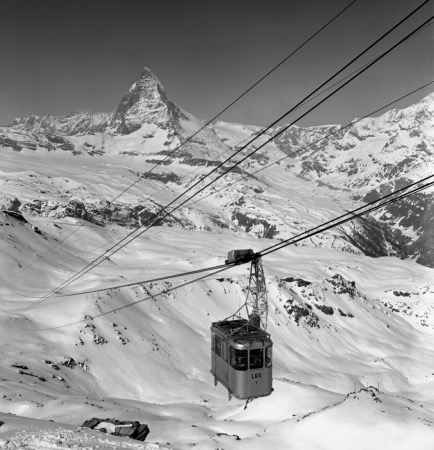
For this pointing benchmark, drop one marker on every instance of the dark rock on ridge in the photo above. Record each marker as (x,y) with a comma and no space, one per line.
(132,429)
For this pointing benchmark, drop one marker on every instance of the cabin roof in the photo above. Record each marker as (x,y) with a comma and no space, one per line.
(240,329)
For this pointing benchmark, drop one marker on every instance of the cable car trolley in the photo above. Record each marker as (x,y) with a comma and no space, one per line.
(241,358)
(241,350)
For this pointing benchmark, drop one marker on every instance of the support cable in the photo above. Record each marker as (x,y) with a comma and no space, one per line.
(136,283)
(304,103)
(119,308)
(262,168)
(206,124)
(302,149)
(248,176)
(159,219)
(240,96)
(227,186)
(354,214)
(351,215)
(98,261)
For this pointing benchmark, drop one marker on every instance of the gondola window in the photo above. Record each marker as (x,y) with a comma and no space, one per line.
(256,358)
(239,359)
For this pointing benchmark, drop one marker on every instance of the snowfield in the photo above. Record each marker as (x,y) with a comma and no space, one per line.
(150,362)
(353,355)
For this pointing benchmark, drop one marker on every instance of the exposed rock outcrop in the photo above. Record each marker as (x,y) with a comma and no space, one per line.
(9,203)
(132,429)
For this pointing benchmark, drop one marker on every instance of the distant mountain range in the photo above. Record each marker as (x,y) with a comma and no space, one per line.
(359,163)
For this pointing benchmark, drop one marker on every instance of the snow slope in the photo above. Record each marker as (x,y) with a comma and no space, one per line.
(150,362)
(353,335)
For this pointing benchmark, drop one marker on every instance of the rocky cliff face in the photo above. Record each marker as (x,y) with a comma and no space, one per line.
(145,103)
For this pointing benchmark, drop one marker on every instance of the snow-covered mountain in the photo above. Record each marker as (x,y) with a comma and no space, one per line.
(352,324)
(352,164)
(366,160)
(372,156)
(68,125)
(145,103)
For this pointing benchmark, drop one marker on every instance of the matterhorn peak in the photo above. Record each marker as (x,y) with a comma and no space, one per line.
(147,80)
(145,103)
(147,73)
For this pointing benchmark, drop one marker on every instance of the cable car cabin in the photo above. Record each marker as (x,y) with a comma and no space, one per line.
(241,358)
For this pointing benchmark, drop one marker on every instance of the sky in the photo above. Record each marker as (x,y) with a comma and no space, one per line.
(62,56)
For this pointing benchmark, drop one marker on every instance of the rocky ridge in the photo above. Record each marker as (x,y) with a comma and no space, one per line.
(72,124)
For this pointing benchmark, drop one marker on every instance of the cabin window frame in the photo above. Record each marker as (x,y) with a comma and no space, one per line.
(269,356)
(225,350)
(218,345)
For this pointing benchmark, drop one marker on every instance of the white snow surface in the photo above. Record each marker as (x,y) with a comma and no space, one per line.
(353,336)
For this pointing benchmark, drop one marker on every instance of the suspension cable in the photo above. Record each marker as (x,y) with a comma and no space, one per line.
(98,261)
(138,282)
(159,219)
(204,126)
(351,215)
(119,308)
(339,130)
(56,295)
(239,97)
